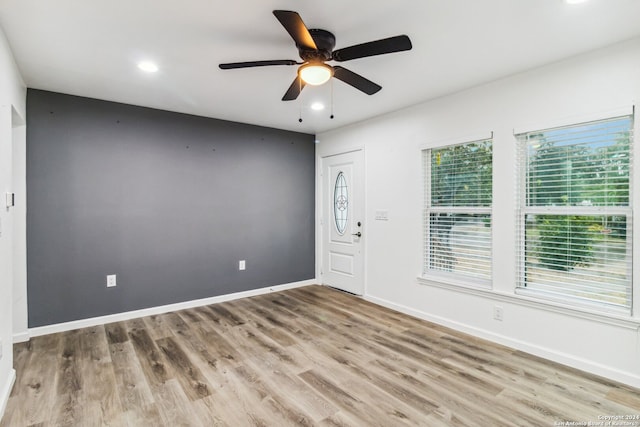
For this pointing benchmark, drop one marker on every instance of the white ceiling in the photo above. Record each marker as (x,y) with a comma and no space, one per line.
(91,48)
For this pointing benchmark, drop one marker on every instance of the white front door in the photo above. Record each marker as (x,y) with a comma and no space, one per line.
(343,222)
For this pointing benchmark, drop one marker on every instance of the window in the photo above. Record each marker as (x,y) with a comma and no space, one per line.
(574,217)
(457,215)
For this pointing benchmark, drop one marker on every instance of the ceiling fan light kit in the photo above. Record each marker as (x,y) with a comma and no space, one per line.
(315,47)
(315,74)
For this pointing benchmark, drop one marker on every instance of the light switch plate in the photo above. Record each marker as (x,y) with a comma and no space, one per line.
(10,199)
(382,215)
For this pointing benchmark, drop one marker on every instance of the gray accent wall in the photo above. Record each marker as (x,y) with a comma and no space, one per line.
(168,202)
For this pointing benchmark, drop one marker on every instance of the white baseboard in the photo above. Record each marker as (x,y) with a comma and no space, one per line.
(5,391)
(128,315)
(21,337)
(546,353)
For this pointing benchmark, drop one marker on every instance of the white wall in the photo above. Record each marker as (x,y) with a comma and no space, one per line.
(12,113)
(564,92)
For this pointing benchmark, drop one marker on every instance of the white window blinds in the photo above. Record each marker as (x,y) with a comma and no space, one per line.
(575,213)
(457,216)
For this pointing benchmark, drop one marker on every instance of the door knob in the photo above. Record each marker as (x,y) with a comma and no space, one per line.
(359,234)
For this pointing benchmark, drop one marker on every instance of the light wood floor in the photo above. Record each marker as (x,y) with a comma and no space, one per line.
(308,356)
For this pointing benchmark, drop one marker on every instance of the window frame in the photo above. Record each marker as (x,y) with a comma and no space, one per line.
(524,210)
(453,278)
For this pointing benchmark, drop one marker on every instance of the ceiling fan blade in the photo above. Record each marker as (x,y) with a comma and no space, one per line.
(378,47)
(233,65)
(355,80)
(292,22)
(294,90)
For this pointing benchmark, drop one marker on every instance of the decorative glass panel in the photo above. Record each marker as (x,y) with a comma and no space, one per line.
(341,203)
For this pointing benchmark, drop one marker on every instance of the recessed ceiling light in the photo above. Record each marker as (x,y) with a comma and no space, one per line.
(317,106)
(148,66)
(574,1)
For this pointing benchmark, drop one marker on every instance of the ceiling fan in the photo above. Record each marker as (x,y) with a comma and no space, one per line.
(315,47)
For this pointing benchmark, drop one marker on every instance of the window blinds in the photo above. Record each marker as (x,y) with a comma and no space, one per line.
(457,222)
(575,213)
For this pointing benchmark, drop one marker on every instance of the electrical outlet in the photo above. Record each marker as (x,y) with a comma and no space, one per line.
(111,280)
(242,265)
(497,313)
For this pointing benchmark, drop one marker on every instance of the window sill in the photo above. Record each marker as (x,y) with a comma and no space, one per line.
(454,283)
(532,302)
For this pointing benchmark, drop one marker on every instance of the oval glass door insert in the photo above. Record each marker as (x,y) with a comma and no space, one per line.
(341,203)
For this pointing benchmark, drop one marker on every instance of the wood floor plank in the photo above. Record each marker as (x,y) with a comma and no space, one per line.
(157,326)
(339,419)
(101,401)
(68,406)
(174,405)
(307,356)
(135,395)
(346,401)
(193,383)
(220,347)
(33,396)
(625,396)
(277,318)
(189,315)
(288,386)
(116,332)
(69,379)
(68,410)
(203,350)
(236,401)
(210,412)
(22,353)
(153,364)
(206,314)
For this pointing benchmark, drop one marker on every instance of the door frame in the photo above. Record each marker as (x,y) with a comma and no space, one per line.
(320,206)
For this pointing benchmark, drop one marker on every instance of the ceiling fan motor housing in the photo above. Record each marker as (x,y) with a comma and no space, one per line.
(325,42)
